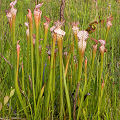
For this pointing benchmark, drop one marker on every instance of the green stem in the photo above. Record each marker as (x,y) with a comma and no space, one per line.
(37,62)
(43,56)
(13,38)
(80,66)
(51,72)
(79,77)
(39,103)
(83,93)
(93,60)
(101,70)
(76,42)
(23,85)
(32,64)
(61,78)
(100,97)
(53,89)
(106,35)
(28,65)
(67,94)
(28,58)
(17,89)
(13,45)
(100,75)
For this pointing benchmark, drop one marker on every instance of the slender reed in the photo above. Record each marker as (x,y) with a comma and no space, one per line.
(46,26)
(60,33)
(61,76)
(23,85)
(102,50)
(67,94)
(53,87)
(28,57)
(29,15)
(84,90)
(37,18)
(16,82)
(51,71)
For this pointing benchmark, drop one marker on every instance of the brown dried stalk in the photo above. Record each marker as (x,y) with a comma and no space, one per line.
(62,7)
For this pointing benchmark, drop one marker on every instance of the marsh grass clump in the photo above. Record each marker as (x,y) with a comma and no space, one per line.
(63,69)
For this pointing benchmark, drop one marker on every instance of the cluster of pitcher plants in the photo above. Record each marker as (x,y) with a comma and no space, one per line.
(52,82)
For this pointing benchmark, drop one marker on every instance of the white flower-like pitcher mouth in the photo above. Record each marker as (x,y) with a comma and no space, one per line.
(83,35)
(12,4)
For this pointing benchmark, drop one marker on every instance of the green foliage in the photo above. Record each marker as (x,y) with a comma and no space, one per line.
(52,86)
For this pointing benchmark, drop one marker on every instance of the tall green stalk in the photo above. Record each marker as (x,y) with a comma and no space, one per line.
(51,72)
(67,94)
(80,65)
(53,88)
(28,62)
(13,44)
(76,42)
(60,45)
(23,85)
(101,70)
(17,86)
(37,60)
(83,93)
(82,46)
(32,56)
(43,55)
(32,63)
(13,37)
(100,75)
(28,56)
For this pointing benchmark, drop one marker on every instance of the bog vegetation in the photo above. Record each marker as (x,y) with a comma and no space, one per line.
(60,59)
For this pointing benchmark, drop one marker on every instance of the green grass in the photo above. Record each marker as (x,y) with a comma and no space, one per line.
(52,86)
